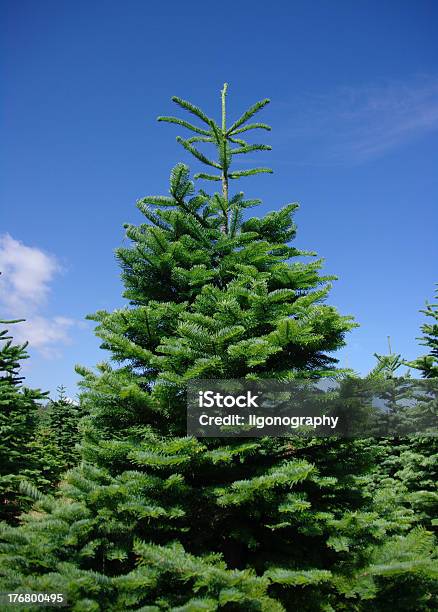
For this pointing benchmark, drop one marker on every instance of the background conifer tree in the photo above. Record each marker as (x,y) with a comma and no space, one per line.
(57,437)
(155,520)
(62,417)
(19,408)
(402,571)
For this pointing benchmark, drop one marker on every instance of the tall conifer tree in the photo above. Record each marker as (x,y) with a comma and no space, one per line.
(155,520)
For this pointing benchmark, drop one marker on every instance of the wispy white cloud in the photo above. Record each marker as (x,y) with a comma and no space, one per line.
(45,334)
(353,125)
(25,282)
(26,274)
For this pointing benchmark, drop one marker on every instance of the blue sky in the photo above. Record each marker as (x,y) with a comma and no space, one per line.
(354,90)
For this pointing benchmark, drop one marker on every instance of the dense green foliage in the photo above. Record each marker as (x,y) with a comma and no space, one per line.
(154,520)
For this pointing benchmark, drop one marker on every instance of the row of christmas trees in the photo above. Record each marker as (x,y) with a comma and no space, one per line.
(149,519)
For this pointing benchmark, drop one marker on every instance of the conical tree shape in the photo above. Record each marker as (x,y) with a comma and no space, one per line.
(155,520)
(58,435)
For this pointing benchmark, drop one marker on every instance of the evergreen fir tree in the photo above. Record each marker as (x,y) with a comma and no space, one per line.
(428,364)
(57,438)
(155,520)
(62,418)
(18,421)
